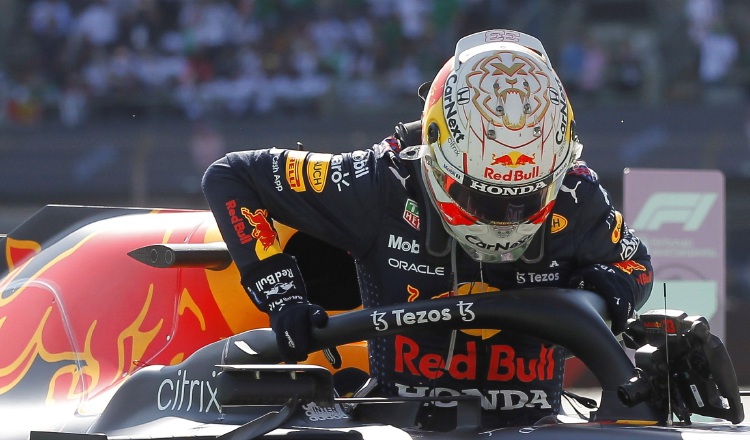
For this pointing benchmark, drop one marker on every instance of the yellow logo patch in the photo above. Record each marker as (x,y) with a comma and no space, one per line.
(558,223)
(317,170)
(617,232)
(294,162)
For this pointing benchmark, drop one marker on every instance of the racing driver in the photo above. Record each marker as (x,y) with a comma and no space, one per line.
(490,196)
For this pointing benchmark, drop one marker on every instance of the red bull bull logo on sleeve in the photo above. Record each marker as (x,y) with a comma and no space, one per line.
(628,266)
(262,228)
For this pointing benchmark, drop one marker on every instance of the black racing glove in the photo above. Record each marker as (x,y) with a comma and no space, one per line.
(612,286)
(292,327)
(277,288)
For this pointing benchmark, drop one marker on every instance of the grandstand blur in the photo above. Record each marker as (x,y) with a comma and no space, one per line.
(127,101)
(80,60)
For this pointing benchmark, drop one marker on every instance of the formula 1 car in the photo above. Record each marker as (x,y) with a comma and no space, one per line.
(129,323)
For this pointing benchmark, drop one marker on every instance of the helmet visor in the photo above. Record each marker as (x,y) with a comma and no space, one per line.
(515,205)
(493,209)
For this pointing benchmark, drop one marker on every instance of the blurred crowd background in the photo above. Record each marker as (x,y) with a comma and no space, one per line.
(127,101)
(78,60)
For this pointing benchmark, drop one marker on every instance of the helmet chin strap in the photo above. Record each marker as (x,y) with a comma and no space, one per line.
(434,236)
(535,252)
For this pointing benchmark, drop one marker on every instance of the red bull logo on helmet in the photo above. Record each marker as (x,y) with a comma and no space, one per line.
(513,159)
(511,175)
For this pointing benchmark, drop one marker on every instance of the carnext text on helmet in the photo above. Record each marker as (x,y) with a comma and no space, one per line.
(450,107)
(560,134)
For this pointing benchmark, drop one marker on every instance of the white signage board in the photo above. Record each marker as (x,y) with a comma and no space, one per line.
(680,216)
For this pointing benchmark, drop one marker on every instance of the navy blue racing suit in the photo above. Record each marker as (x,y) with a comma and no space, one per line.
(370,204)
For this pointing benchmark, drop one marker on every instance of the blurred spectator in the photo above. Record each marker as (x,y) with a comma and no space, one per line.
(97,24)
(121,69)
(207,23)
(593,67)
(405,78)
(142,26)
(158,73)
(73,103)
(330,36)
(572,57)
(411,14)
(24,105)
(50,17)
(255,57)
(96,73)
(718,53)
(701,16)
(50,22)
(628,67)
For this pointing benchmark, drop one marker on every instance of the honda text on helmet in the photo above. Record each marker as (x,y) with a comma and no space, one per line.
(499,139)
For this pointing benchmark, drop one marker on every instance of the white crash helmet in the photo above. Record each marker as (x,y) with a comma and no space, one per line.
(499,137)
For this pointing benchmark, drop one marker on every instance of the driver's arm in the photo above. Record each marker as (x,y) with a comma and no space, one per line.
(611,259)
(331,197)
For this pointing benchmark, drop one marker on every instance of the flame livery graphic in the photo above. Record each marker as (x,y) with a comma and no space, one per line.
(89,315)
(80,312)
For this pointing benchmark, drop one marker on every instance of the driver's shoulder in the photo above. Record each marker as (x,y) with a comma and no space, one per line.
(580,170)
(580,187)
(580,180)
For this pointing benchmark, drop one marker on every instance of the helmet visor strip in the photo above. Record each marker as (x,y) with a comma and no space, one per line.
(493,209)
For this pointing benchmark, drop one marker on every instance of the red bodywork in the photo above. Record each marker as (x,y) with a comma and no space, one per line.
(78,315)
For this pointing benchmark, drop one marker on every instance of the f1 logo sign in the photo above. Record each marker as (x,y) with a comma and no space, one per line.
(687,208)
(679,214)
